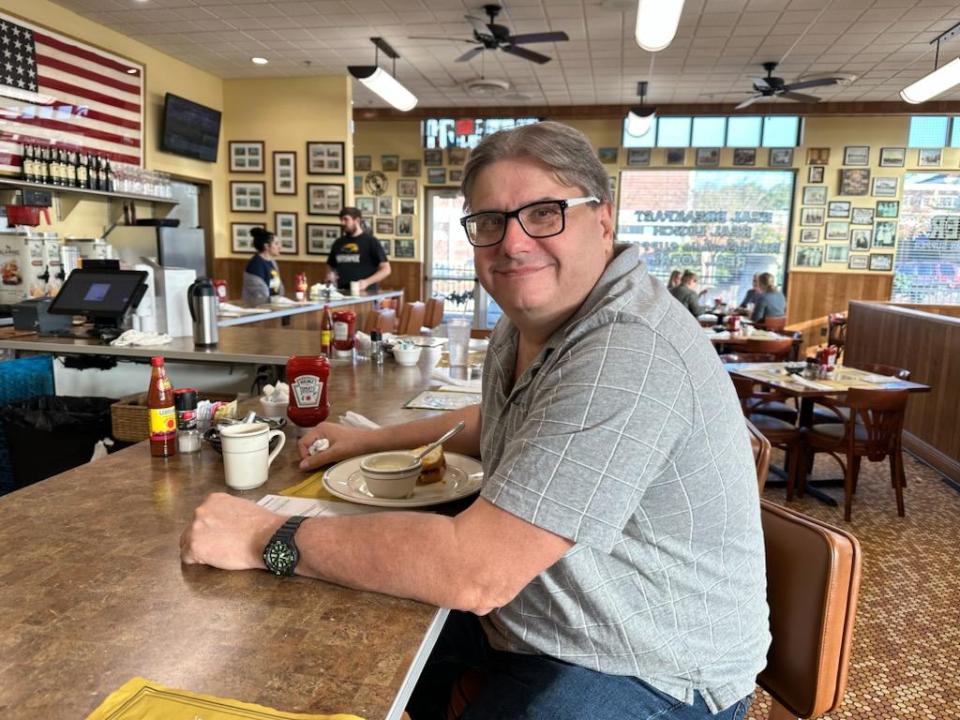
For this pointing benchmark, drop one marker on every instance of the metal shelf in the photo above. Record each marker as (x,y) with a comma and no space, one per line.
(60,190)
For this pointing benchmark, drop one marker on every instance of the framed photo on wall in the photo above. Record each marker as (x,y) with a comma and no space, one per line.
(810,235)
(815,174)
(249,197)
(410,168)
(407,206)
(928,157)
(608,155)
(389,163)
(814,195)
(406,188)
(676,156)
(324,198)
(386,245)
(884,234)
(404,226)
(638,157)
(860,240)
(893,157)
(456,155)
(240,239)
(366,205)
(433,157)
(837,231)
(781,157)
(885,186)
(811,215)
(708,157)
(383,226)
(818,156)
(321,236)
(357,184)
(403,248)
(856,155)
(285,226)
(837,254)
(854,182)
(808,257)
(888,208)
(437,176)
(857,262)
(246,156)
(862,216)
(284,172)
(838,209)
(362,163)
(324,158)
(744,157)
(881,261)
(385,205)
(455,175)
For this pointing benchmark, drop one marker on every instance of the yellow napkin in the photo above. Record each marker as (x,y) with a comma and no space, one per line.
(312,487)
(140,699)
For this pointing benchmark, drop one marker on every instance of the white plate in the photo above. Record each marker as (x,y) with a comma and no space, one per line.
(462,477)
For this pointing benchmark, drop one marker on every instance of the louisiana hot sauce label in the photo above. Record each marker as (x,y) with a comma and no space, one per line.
(163,423)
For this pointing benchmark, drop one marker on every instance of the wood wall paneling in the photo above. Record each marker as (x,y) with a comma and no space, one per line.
(928,344)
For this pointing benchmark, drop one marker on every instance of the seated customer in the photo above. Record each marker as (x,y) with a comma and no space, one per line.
(613,565)
(261,277)
(750,299)
(771,303)
(674,279)
(686,293)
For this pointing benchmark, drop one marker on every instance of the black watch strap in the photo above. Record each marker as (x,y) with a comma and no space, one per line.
(289,528)
(281,554)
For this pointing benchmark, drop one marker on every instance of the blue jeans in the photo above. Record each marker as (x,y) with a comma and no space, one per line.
(537,687)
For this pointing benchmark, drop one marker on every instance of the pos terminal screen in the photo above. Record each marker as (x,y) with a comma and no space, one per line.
(98,293)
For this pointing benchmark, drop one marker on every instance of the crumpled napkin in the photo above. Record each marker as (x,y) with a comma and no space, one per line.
(140,338)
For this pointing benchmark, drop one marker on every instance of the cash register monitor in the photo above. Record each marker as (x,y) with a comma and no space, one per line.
(102,296)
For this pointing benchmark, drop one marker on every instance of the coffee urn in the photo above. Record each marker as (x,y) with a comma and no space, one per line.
(202,300)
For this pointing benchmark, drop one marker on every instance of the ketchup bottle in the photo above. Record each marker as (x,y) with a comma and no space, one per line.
(344,327)
(308,376)
(326,332)
(163,414)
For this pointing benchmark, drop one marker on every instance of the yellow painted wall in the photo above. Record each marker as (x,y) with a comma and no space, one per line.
(163,74)
(286,113)
(402,137)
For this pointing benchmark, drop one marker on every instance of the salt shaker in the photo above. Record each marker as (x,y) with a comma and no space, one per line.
(188,437)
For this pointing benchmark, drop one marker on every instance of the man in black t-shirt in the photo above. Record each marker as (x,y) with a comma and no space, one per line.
(357,256)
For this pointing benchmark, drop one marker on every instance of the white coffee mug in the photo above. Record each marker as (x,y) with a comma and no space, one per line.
(246,453)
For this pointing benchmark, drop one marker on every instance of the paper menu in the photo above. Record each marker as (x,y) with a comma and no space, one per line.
(287,505)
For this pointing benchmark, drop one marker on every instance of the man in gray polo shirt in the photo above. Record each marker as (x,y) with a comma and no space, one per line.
(613,565)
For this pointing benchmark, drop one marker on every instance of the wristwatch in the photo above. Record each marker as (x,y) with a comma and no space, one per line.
(281,554)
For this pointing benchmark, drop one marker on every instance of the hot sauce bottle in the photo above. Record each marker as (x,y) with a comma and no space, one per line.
(307,376)
(326,332)
(163,414)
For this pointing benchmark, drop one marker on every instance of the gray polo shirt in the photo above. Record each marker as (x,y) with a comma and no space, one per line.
(625,436)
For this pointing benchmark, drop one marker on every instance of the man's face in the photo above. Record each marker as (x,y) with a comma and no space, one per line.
(349,224)
(546,279)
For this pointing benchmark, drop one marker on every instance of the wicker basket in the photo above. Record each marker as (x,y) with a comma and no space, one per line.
(130,418)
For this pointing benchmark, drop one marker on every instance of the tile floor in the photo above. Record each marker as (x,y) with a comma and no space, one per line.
(905,663)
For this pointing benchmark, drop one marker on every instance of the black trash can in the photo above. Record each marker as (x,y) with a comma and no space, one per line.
(48,434)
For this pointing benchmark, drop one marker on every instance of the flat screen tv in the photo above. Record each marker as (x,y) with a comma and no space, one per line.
(190,129)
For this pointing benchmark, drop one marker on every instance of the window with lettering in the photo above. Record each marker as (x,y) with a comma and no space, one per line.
(927,267)
(725,225)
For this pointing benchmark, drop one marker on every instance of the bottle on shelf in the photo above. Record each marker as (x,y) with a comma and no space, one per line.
(40,168)
(326,332)
(162,411)
(107,177)
(82,174)
(26,163)
(71,169)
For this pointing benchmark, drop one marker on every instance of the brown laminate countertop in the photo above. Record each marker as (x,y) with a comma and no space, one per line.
(92,591)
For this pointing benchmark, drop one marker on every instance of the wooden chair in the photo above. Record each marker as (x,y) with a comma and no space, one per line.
(773,323)
(433,312)
(411,318)
(761,453)
(823,415)
(837,331)
(780,433)
(383,320)
(773,350)
(872,429)
(813,580)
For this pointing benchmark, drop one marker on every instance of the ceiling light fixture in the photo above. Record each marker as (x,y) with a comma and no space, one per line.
(259,61)
(381,82)
(640,118)
(657,22)
(938,81)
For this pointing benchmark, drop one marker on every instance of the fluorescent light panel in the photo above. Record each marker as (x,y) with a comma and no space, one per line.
(657,22)
(384,85)
(937,82)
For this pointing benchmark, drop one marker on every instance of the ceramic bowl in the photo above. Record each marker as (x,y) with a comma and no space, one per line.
(406,356)
(273,410)
(390,474)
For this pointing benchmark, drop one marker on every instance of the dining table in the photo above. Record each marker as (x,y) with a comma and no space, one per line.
(93,592)
(808,390)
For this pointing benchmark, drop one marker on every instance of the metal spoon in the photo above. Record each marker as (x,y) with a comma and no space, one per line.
(436,443)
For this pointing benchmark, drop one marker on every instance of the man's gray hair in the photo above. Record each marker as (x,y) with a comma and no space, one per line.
(561,148)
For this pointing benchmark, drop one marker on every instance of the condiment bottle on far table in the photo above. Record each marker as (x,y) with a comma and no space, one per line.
(300,286)
(326,332)
(163,414)
(307,376)
(344,327)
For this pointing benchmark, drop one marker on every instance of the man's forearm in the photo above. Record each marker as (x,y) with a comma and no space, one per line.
(379,275)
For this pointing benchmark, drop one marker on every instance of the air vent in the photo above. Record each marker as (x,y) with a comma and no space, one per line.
(486,87)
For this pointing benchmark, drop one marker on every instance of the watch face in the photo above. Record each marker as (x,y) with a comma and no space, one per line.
(280,557)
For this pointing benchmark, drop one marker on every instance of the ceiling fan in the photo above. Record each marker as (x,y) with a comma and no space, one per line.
(771,86)
(491,36)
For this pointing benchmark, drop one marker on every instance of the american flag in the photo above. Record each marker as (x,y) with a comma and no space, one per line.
(61,92)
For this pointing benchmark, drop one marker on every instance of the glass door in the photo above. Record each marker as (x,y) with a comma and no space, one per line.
(449,261)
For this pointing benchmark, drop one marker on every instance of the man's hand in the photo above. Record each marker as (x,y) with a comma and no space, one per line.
(363,284)
(345,442)
(228,532)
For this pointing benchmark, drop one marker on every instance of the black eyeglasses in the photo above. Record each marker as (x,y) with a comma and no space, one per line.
(541,219)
